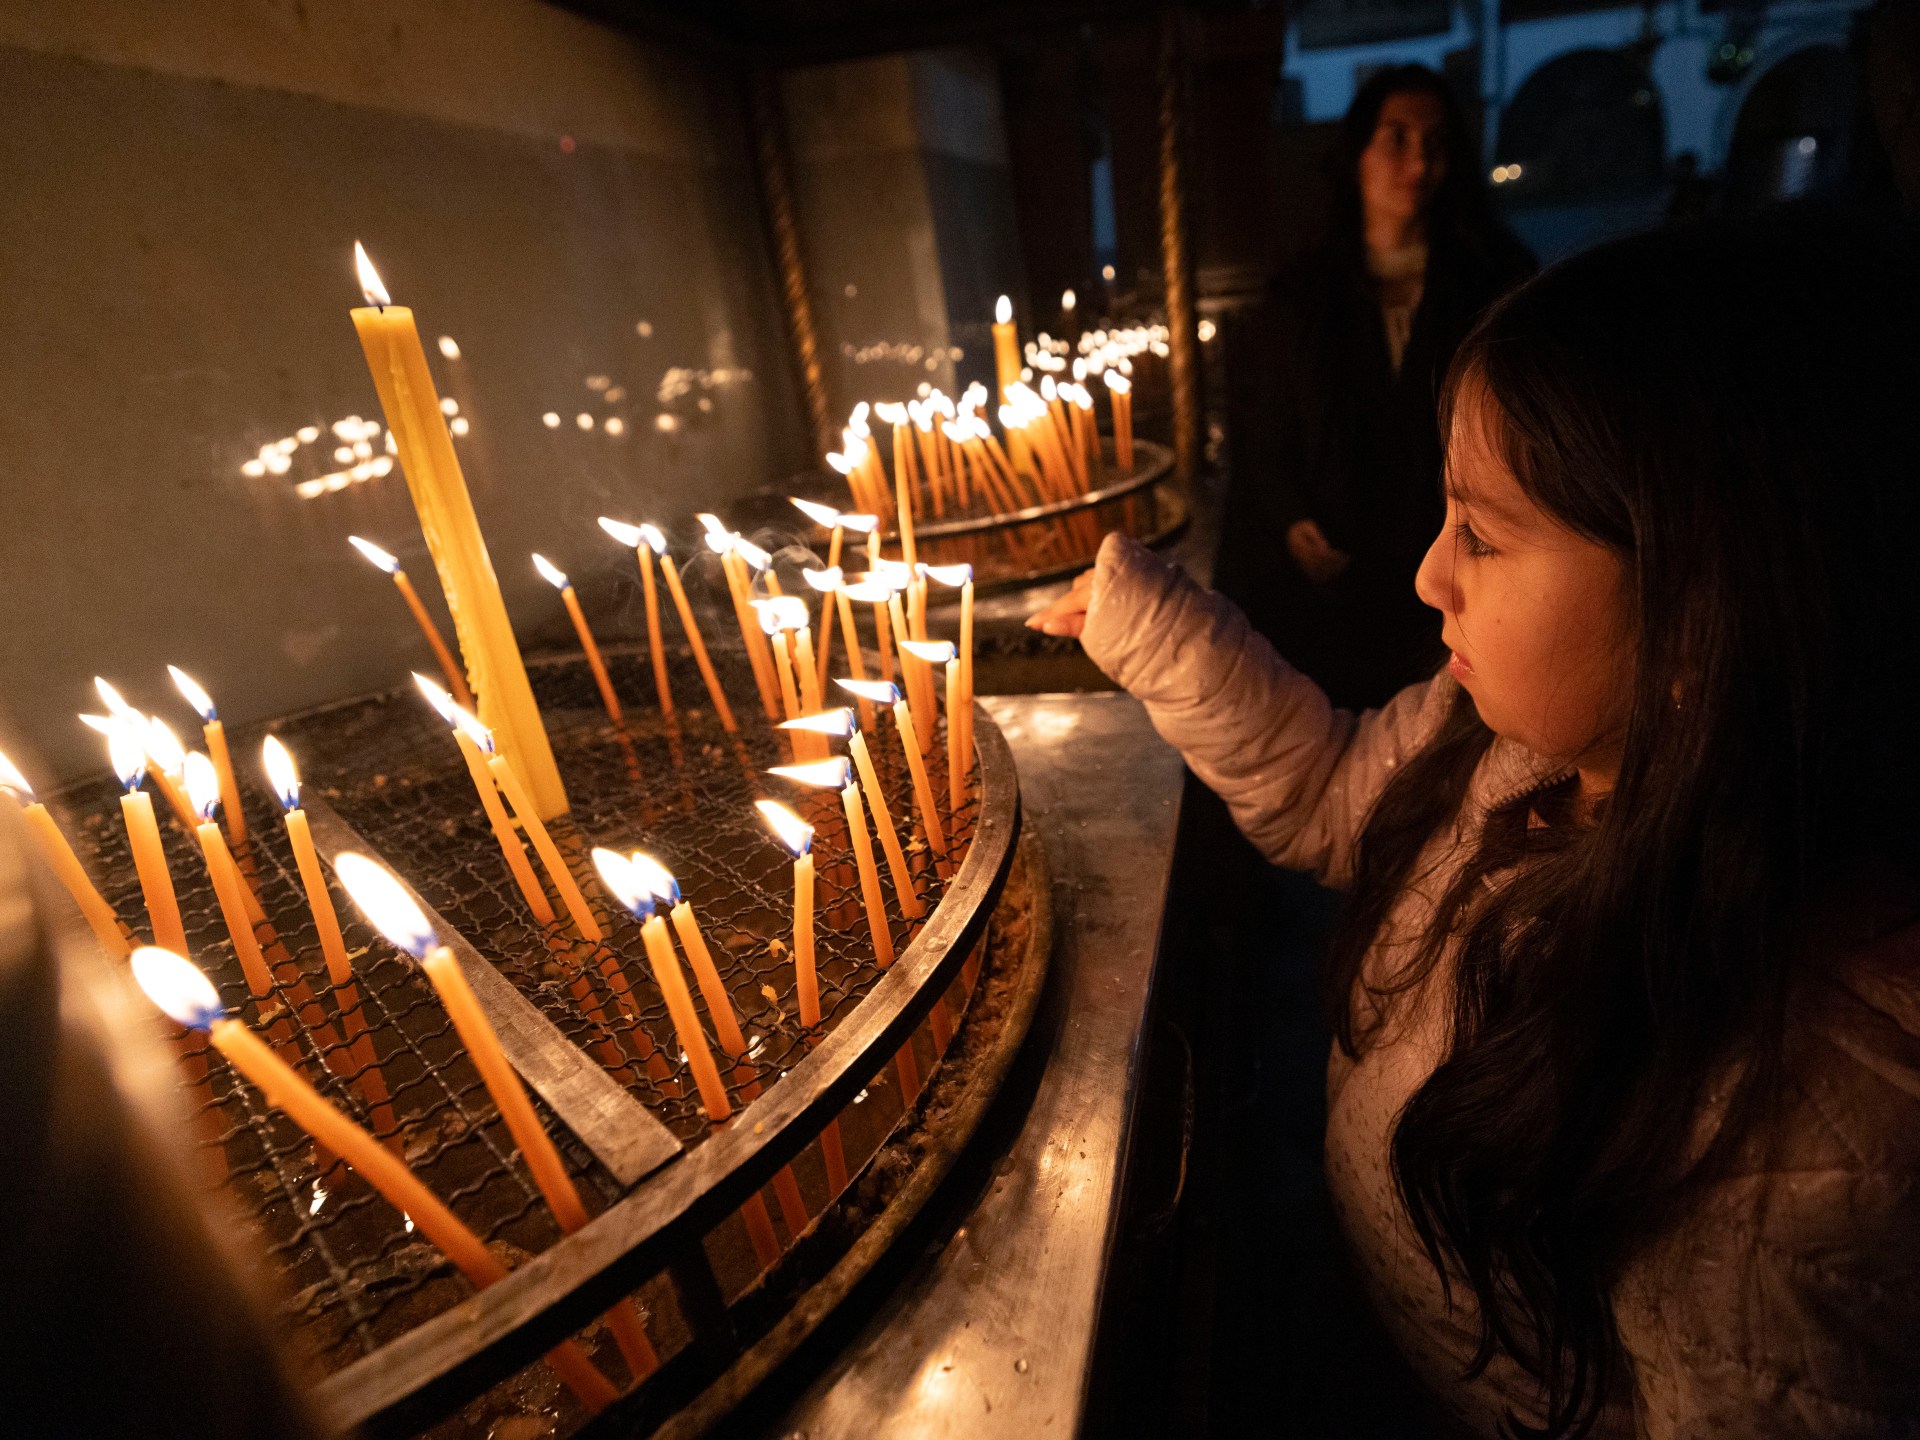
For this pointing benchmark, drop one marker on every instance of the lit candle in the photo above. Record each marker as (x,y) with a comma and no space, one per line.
(285,780)
(1122,394)
(143,838)
(1006,346)
(184,994)
(624,883)
(932,652)
(913,671)
(962,576)
(203,793)
(164,759)
(722,543)
(456,682)
(165,756)
(881,692)
(550,857)
(658,543)
(874,591)
(827,583)
(644,545)
(557,578)
(439,490)
(475,742)
(394,913)
(775,621)
(215,734)
(726,1021)
(60,858)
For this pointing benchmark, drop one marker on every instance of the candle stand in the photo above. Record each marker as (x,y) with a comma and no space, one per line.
(399,1340)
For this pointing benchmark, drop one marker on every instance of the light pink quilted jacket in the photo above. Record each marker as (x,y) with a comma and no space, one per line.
(1796,1318)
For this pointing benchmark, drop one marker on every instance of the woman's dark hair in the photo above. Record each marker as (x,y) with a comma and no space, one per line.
(1732,411)
(1460,215)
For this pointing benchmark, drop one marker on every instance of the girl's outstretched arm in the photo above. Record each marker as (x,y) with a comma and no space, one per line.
(1298,775)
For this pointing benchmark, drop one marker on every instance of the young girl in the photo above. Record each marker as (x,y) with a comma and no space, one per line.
(1624,1106)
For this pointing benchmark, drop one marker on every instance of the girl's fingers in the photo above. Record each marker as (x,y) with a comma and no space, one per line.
(1068,614)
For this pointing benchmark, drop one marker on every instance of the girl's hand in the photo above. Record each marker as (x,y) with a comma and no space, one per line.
(1068,614)
(1316,556)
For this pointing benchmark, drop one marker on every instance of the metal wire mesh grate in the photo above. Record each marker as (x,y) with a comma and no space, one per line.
(354,1274)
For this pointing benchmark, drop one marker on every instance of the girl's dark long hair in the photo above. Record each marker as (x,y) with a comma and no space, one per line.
(1460,217)
(1735,411)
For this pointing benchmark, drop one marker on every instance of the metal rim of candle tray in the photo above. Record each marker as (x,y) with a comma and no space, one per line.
(942,1142)
(659,1225)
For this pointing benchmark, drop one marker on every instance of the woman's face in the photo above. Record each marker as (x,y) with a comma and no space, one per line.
(1404,164)
(1536,616)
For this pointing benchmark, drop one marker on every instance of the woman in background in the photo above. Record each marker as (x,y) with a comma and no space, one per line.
(1337,491)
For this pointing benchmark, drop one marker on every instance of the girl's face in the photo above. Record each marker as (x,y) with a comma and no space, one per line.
(1404,164)
(1536,616)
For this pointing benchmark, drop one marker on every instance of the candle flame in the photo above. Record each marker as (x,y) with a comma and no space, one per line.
(934,652)
(656,877)
(177,987)
(881,692)
(1117,382)
(617,872)
(893,412)
(385,902)
(751,553)
(825,516)
(834,774)
(195,694)
(370,285)
(958,434)
(12,781)
(793,832)
(388,563)
(837,721)
(281,774)
(655,538)
(203,785)
(953,575)
(895,574)
(126,754)
(1002,310)
(721,542)
(116,703)
(163,746)
(865,524)
(627,535)
(436,697)
(826,581)
(711,524)
(782,612)
(1047,388)
(550,572)
(1068,300)
(839,463)
(869,592)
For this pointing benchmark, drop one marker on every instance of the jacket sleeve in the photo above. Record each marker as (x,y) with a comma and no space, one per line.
(1298,775)
(1787,1305)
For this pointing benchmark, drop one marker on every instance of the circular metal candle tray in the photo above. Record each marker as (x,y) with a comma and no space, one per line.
(1023,547)
(402,1340)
